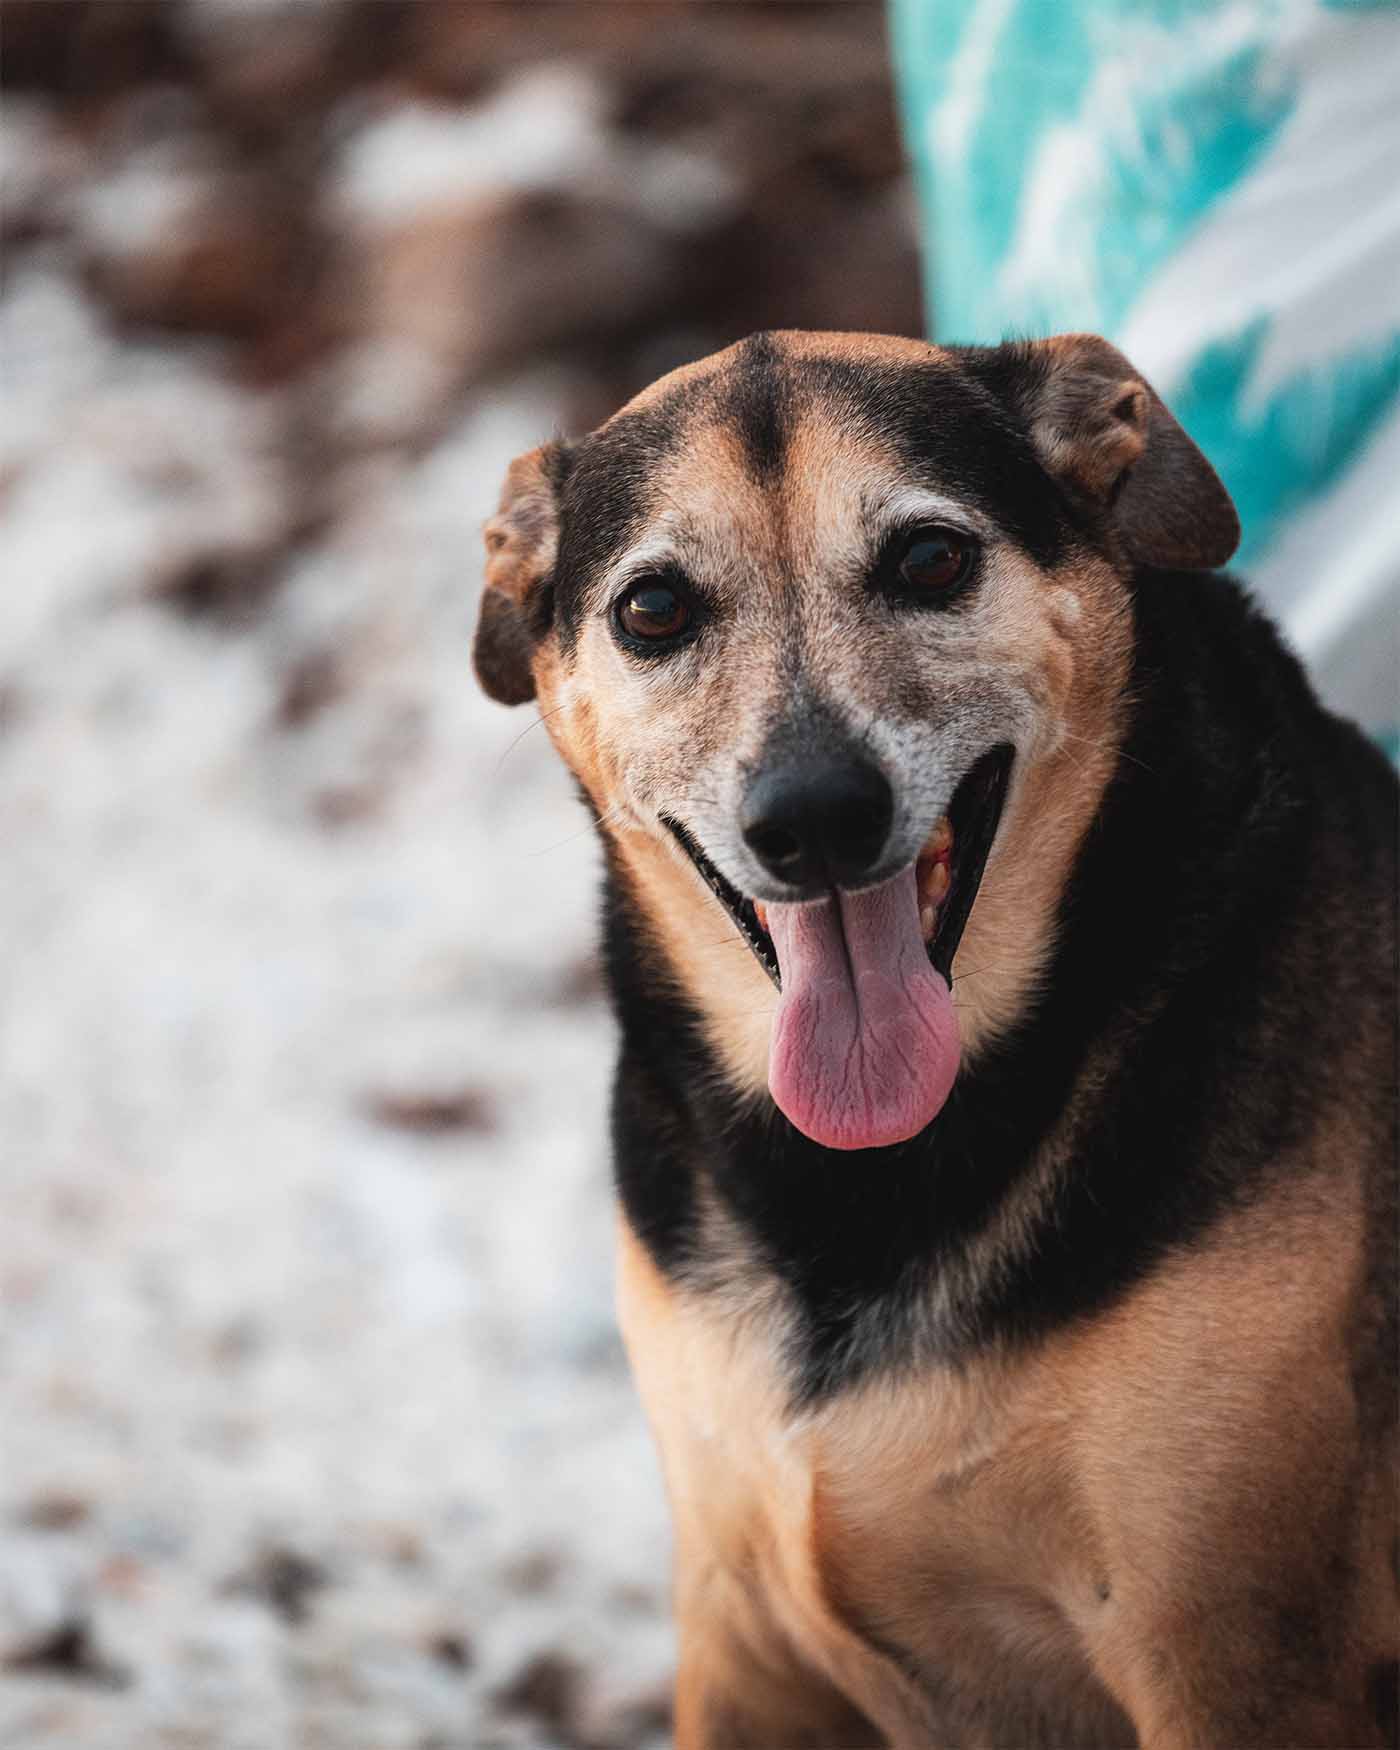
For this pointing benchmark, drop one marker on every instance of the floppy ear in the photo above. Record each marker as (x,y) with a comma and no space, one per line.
(521,540)
(1102,431)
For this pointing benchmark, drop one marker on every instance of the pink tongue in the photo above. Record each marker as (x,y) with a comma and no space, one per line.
(865,1039)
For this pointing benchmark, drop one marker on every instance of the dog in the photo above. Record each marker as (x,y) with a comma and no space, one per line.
(1002,940)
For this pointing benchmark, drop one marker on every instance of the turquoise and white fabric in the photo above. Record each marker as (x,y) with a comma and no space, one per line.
(1216,188)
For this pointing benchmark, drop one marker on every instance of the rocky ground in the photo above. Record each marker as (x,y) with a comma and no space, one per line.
(314,1427)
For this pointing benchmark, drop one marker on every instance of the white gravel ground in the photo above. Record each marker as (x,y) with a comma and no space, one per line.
(316,1429)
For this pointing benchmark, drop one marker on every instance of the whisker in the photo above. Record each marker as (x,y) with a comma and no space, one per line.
(516,740)
(976,972)
(1100,746)
(597,821)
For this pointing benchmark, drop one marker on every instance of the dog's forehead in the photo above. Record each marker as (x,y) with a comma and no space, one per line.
(760,357)
(801,426)
(753,402)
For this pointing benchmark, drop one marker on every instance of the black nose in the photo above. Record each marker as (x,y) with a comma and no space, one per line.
(818,822)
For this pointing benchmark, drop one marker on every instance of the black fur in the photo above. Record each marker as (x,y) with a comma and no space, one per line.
(1227,932)
(755,406)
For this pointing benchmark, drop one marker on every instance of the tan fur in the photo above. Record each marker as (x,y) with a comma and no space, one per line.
(1098,1507)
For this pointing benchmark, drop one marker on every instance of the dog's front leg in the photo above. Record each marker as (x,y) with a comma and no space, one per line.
(1255,1723)
(738,1692)
(1203,1685)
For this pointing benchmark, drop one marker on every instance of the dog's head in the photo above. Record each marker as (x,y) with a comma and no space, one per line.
(835,632)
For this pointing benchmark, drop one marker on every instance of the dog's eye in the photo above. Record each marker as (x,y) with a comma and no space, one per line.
(934,560)
(653,611)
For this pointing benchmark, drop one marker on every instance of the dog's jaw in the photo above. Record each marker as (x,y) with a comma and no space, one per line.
(865,1043)
(995,971)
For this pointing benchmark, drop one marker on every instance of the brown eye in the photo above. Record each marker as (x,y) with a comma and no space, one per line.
(934,560)
(653,610)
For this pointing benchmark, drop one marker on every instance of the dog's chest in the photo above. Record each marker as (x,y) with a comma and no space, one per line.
(920,1543)
(948,1533)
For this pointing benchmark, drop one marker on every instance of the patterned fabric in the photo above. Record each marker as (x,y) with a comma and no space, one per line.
(1215,186)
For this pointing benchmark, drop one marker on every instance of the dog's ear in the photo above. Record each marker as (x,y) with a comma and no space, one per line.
(521,540)
(1100,428)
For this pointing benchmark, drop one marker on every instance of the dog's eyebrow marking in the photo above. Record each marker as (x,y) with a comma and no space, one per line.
(658,554)
(915,505)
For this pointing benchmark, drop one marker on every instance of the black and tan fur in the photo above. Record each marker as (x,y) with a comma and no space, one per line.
(1072,1421)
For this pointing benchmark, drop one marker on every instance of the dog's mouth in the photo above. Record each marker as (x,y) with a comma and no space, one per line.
(948,871)
(866,1045)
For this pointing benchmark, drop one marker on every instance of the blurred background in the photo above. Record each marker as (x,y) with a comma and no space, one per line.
(315,1430)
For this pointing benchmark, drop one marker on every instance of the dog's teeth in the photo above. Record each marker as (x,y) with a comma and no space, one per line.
(937,883)
(941,838)
(927,915)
